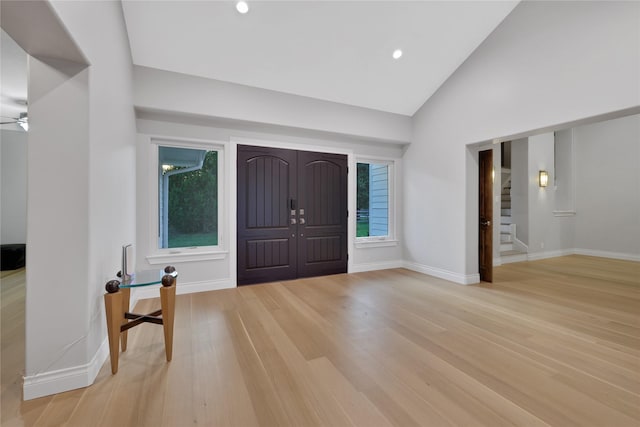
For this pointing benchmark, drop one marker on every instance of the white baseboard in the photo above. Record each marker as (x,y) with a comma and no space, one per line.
(606,254)
(508,259)
(182,288)
(549,254)
(47,383)
(577,251)
(462,279)
(372,266)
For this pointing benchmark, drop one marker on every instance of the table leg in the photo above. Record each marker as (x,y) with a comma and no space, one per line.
(126,298)
(168,304)
(115,316)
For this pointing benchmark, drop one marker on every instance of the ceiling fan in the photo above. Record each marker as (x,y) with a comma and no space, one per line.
(22,120)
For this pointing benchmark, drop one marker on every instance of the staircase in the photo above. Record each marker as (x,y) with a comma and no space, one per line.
(507,228)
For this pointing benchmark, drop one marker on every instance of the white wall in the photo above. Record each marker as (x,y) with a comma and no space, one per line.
(565,180)
(213,274)
(81,196)
(13,155)
(548,234)
(100,31)
(175,92)
(585,63)
(594,208)
(608,188)
(57,218)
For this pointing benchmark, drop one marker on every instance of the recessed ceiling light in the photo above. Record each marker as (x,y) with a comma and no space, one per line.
(397,54)
(242,7)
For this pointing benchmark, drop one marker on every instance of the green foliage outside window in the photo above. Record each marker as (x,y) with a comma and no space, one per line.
(362,203)
(193,205)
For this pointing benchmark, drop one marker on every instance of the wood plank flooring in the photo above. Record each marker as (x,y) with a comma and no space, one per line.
(553,342)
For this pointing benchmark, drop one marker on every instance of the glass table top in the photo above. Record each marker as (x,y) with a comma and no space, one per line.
(145,278)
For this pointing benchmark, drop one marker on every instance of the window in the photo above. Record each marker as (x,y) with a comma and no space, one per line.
(374,200)
(188,187)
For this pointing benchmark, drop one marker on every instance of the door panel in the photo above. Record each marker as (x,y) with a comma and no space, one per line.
(322,181)
(292,214)
(266,237)
(485,237)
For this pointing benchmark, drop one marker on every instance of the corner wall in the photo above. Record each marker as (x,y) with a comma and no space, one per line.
(549,235)
(585,63)
(608,188)
(13,152)
(81,190)
(592,205)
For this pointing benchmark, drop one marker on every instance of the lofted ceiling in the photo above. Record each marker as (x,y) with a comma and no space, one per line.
(339,51)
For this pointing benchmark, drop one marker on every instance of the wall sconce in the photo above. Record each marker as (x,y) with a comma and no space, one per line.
(543,178)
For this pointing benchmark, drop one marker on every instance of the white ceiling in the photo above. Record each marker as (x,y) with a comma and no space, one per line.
(13,80)
(333,50)
(336,51)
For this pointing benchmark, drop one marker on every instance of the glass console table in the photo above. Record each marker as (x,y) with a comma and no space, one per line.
(120,320)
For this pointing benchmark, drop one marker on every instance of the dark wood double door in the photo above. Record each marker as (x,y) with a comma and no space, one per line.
(292,214)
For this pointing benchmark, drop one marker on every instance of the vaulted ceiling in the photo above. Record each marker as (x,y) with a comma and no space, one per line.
(338,51)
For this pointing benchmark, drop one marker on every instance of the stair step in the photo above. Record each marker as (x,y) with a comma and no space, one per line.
(505,212)
(506,247)
(512,255)
(505,219)
(505,228)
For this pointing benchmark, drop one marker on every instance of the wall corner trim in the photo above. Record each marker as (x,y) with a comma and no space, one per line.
(52,382)
(461,279)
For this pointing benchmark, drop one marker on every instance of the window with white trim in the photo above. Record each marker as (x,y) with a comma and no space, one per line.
(374,203)
(188,208)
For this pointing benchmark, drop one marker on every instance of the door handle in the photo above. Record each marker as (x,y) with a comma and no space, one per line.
(302,221)
(293,221)
(485,223)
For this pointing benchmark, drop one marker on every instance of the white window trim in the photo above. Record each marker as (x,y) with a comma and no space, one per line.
(390,239)
(196,253)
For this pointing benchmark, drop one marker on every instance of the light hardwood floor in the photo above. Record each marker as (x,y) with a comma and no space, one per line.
(552,342)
